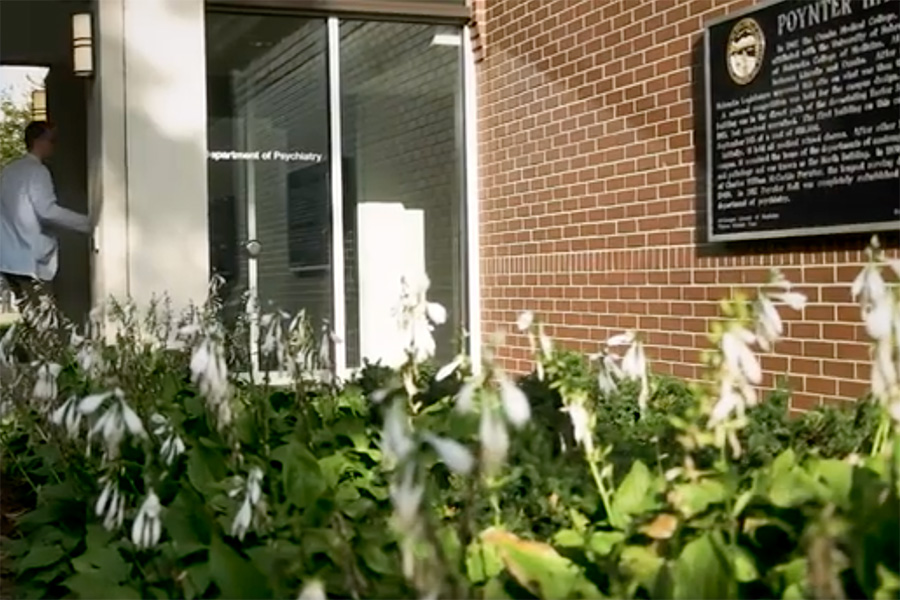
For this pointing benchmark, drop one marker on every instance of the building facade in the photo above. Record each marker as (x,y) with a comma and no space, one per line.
(527,154)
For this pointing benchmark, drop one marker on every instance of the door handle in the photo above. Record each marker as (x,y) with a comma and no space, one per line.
(253,248)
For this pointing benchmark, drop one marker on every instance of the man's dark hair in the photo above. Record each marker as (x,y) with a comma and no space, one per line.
(35,130)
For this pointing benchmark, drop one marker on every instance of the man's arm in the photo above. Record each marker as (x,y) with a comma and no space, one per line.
(48,210)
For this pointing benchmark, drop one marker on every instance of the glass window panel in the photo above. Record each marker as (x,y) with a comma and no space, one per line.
(401,106)
(268,145)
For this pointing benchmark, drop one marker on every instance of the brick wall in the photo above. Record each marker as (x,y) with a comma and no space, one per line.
(589,203)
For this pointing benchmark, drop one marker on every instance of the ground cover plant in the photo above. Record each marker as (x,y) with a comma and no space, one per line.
(139,461)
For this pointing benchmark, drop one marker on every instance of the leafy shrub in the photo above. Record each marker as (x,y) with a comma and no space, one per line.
(147,468)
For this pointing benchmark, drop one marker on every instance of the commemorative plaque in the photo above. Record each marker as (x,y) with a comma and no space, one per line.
(803,119)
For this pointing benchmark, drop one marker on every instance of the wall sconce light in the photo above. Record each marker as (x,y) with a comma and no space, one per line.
(39,105)
(82,45)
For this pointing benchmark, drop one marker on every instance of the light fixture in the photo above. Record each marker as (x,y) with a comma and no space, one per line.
(39,105)
(82,45)
(447,38)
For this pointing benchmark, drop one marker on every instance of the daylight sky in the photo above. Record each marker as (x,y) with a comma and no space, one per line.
(15,81)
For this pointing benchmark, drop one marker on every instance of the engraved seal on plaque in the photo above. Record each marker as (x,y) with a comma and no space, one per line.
(744,54)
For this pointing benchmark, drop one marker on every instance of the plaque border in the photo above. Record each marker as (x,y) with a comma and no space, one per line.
(795,232)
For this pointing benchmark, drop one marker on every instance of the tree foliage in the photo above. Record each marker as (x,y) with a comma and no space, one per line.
(13,119)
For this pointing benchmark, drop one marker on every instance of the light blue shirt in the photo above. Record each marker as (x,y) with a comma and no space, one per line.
(28,209)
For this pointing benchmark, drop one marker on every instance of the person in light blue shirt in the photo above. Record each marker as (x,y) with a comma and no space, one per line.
(29,213)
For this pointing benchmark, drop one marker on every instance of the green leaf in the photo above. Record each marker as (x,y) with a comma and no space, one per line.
(701,571)
(482,562)
(539,568)
(641,562)
(495,590)
(40,556)
(94,586)
(198,579)
(742,502)
(837,476)
(694,498)
(636,493)
(602,542)
(745,565)
(793,486)
(579,521)
(377,559)
(188,523)
(303,479)
(235,576)
(568,538)
(889,588)
(103,560)
(206,467)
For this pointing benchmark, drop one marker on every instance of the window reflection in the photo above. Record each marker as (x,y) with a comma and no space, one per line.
(401,104)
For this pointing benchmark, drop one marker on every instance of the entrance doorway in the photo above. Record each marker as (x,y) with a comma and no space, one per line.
(38,36)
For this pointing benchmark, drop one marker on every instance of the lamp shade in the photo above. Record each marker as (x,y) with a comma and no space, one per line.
(82,45)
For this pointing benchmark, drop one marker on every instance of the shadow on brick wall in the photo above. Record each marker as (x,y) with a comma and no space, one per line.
(850,242)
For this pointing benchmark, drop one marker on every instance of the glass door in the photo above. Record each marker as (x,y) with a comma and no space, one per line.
(336,155)
(269,186)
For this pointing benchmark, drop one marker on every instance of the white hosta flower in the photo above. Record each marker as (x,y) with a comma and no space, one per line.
(729,401)
(172,445)
(465,398)
(894,411)
(634,368)
(45,386)
(524,321)
(769,326)
(581,425)
(634,363)
(437,314)
(110,505)
(147,527)
(406,496)
(795,300)
(450,368)
(312,590)
(210,373)
(885,374)
(117,420)
(878,318)
(456,456)
(69,416)
(89,358)
(397,441)
(622,339)
(608,372)
(739,358)
(869,285)
(90,404)
(515,403)
(380,395)
(545,343)
(494,438)
(242,519)
(252,496)
(416,317)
